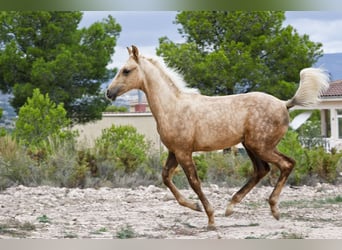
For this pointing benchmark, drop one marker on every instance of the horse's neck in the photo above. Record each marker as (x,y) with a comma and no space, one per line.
(161,95)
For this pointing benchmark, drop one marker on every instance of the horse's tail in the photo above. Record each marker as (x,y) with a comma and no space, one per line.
(313,82)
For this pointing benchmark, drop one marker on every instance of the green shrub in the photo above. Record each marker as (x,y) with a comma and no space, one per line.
(124,146)
(116,109)
(2,132)
(201,166)
(312,164)
(324,164)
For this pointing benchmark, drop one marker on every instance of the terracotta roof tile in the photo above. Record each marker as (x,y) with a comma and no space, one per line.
(334,90)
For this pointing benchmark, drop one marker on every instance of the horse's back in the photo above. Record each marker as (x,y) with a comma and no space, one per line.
(224,121)
(253,105)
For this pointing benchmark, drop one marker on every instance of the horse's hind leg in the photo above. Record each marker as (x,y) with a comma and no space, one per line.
(167,174)
(261,168)
(285,164)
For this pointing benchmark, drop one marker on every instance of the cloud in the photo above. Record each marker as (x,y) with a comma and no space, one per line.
(143,28)
(140,28)
(322,26)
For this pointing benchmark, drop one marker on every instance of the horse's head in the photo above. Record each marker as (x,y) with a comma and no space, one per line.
(129,76)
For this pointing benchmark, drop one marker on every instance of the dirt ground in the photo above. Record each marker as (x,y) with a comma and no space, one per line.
(152,213)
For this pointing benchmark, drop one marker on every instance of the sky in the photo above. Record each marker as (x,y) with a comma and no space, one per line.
(139,28)
(144,28)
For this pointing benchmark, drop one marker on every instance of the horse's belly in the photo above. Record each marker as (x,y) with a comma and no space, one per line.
(215,140)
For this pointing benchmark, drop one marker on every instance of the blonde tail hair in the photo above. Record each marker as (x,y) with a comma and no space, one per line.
(313,82)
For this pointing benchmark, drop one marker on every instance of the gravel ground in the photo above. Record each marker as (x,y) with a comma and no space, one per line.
(152,213)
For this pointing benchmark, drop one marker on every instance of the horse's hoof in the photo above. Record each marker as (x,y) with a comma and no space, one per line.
(276,214)
(198,207)
(211,227)
(229,211)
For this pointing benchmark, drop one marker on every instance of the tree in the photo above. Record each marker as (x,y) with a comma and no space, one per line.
(47,50)
(39,118)
(228,52)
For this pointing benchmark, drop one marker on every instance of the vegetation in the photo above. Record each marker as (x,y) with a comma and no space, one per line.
(229,52)
(126,232)
(123,145)
(43,219)
(116,109)
(38,118)
(47,50)
(67,166)
(312,164)
(2,130)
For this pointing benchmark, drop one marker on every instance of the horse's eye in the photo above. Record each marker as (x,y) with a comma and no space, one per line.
(125,71)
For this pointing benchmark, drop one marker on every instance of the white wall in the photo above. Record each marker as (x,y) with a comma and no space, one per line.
(143,122)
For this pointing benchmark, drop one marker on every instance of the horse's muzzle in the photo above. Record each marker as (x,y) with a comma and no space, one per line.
(111,94)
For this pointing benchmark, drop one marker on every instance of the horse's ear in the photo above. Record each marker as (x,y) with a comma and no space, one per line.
(135,53)
(129,51)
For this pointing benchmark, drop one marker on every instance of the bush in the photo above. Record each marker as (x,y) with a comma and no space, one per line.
(312,164)
(202,166)
(16,167)
(228,169)
(116,109)
(62,166)
(124,146)
(291,147)
(120,159)
(326,166)
(57,167)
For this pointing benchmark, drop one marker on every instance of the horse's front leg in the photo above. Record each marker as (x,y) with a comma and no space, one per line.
(185,160)
(167,174)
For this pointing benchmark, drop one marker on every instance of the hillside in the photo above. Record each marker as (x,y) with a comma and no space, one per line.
(8,112)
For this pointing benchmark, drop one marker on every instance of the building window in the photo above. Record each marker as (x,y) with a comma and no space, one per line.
(339,122)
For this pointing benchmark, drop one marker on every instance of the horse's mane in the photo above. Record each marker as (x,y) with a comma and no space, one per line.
(172,75)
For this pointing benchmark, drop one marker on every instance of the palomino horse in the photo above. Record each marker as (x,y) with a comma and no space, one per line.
(188,121)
